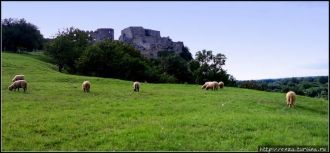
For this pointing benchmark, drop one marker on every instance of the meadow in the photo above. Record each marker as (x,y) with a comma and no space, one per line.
(56,115)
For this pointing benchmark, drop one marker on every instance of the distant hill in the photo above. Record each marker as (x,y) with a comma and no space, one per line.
(312,86)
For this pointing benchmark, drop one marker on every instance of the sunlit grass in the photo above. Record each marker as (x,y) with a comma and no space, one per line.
(55,114)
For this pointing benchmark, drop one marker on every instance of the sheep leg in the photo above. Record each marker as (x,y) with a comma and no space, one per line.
(290,101)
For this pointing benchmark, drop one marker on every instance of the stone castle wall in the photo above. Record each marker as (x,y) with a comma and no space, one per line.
(147,41)
(102,34)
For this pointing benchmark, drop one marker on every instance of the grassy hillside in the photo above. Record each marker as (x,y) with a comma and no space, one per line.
(55,114)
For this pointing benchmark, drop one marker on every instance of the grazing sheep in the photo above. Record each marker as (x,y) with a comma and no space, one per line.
(205,84)
(290,98)
(136,86)
(86,85)
(216,85)
(17,77)
(211,85)
(221,84)
(18,84)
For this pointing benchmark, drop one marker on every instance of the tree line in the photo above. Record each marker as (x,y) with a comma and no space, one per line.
(74,52)
(316,86)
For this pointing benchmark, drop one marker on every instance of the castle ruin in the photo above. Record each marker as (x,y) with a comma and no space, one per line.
(102,34)
(147,41)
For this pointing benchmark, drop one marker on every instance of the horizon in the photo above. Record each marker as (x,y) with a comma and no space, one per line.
(285,78)
(254,36)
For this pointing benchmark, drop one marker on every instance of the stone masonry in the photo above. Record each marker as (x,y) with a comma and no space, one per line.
(149,42)
(102,34)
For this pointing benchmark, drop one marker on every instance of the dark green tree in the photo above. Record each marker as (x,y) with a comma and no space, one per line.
(323,79)
(176,66)
(67,47)
(210,68)
(60,51)
(203,57)
(117,60)
(185,54)
(20,35)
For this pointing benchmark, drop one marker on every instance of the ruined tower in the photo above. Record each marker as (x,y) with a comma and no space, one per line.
(102,34)
(149,42)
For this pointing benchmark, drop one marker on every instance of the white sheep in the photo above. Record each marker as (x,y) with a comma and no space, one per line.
(86,85)
(18,84)
(211,85)
(136,86)
(17,77)
(205,84)
(221,84)
(290,98)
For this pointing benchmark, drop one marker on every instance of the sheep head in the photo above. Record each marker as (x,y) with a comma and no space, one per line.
(10,87)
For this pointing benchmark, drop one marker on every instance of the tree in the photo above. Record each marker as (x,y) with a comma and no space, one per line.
(193,65)
(114,59)
(323,79)
(92,61)
(20,35)
(219,60)
(176,66)
(185,54)
(204,56)
(232,81)
(209,68)
(60,51)
(67,47)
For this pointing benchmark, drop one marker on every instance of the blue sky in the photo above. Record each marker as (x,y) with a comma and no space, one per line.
(260,39)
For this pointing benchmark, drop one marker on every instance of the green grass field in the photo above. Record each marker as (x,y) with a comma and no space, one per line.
(56,115)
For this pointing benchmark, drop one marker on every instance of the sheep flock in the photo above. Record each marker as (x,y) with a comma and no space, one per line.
(19,81)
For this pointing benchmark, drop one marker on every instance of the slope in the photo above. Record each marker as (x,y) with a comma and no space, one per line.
(54,114)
